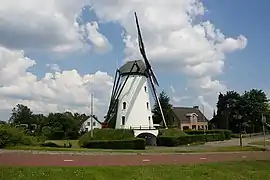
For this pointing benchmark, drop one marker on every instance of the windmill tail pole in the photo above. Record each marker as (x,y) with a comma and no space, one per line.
(159,105)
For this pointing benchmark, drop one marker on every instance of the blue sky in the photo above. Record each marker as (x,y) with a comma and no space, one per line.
(246,67)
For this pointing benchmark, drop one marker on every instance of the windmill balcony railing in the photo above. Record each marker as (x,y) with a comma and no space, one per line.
(142,127)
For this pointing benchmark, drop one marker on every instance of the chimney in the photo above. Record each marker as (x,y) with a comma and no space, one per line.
(196,107)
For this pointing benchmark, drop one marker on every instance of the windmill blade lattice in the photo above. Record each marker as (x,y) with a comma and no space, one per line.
(142,50)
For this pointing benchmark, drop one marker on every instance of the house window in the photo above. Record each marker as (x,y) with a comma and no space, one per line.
(123,120)
(147,105)
(193,127)
(94,123)
(124,105)
(149,119)
(145,89)
(205,127)
(88,123)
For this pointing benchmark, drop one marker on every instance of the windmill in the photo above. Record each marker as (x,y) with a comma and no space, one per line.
(130,100)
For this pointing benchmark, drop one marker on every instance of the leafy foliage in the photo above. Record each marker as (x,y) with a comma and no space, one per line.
(54,126)
(134,143)
(164,100)
(107,134)
(10,136)
(241,112)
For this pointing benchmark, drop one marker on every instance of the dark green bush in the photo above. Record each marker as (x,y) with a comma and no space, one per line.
(107,134)
(172,132)
(136,143)
(185,140)
(224,133)
(50,144)
(169,141)
(11,136)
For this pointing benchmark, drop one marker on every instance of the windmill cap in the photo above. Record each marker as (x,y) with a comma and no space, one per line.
(139,69)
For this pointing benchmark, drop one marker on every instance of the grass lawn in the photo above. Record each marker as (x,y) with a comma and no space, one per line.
(253,170)
(147,150)
(261,142)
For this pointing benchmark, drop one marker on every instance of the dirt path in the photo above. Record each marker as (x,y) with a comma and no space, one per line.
(30,159)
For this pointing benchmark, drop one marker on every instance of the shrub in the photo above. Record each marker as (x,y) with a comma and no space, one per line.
(190,139)
(169,141)
(225,134)
(107,134)
(172,132)
(136,143)
(50,144)
(11,136)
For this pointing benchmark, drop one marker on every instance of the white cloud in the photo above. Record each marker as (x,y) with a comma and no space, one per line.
(54,67)
(179,99)
(48,25)
(173,39)
(58,91)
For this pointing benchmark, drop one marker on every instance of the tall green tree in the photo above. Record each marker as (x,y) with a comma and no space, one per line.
(234,109)
(164,100)
(22,114)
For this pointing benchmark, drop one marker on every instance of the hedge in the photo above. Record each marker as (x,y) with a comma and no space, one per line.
(222,132)
(172,132)
(136,143)
(11,136)
(184,140)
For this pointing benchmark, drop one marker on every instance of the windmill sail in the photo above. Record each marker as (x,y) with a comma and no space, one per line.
(142,50)
(152,77)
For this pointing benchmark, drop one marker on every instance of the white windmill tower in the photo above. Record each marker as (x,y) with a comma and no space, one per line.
(130,100)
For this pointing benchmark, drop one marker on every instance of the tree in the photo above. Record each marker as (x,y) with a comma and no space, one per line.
(249,106)
(21,114)
(166,107)
(226,109)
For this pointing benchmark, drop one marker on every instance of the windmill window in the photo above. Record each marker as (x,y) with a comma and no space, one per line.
(123,120)
(147,105)
(88,123)
(145,89)
(124,105)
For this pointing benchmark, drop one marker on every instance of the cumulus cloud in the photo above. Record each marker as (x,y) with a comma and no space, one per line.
(174,38)
(48,25)
(54,67)
(58,91)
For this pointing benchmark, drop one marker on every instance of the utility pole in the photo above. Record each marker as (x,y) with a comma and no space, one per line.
(91,115)
(203,120)
(264,139)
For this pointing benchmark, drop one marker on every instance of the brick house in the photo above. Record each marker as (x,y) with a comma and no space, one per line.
(189,118)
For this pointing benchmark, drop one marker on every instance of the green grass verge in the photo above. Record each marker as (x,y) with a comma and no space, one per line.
(223,171)
(148,149)
(261,143)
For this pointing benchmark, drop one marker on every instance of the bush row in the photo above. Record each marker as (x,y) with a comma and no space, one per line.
(184,140)
(11,136)
(136,143)
(222,132)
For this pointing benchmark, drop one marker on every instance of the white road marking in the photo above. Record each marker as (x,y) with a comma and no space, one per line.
(68,160)
(202,158)
(145,160)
